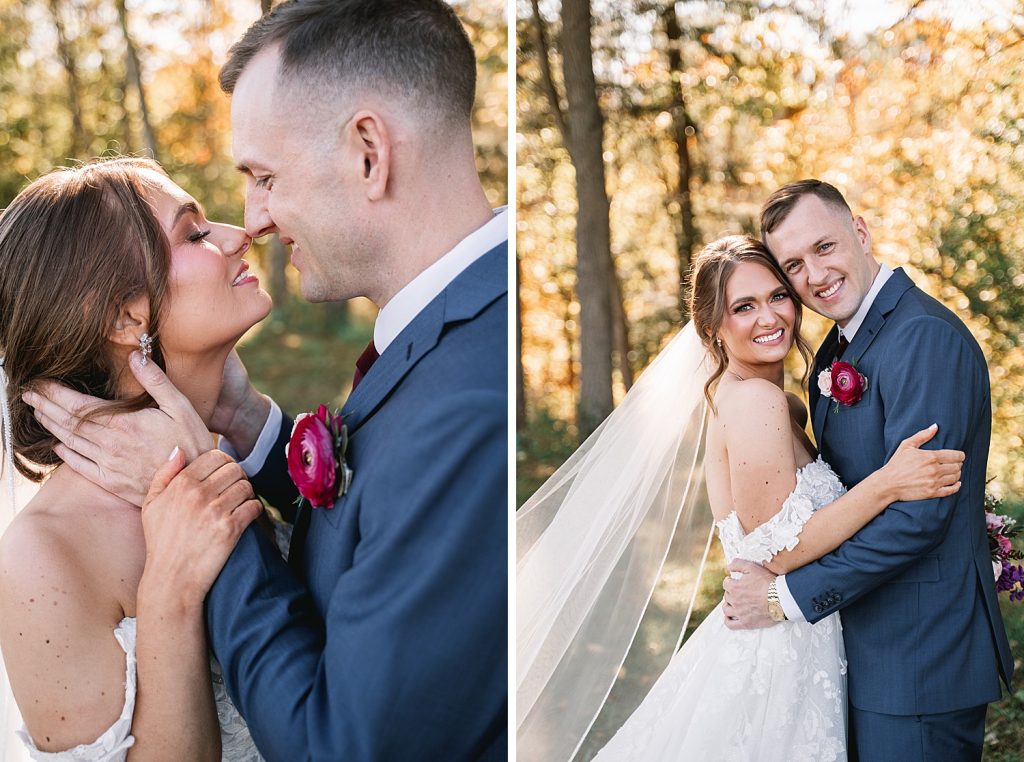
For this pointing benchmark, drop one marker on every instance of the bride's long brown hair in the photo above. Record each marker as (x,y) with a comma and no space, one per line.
(709,277)
(76,245)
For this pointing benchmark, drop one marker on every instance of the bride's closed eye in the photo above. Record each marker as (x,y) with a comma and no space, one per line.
(198,235)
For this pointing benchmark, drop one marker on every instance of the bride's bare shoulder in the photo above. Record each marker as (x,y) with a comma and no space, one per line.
(41,550)
(739,399)
(53,555)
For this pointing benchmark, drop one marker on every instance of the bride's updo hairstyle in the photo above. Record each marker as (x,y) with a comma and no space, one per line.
(76,246)
(708,280)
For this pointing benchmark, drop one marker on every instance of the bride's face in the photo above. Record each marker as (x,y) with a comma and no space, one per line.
(212,297)
(757,326)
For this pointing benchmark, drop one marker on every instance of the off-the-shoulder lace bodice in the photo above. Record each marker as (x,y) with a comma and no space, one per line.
(236,743)
(816,486)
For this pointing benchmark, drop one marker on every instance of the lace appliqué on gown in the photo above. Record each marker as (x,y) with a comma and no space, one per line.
(236,743)
(776,694)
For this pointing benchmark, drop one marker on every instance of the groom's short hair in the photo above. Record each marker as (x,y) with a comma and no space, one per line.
(416,49)
(781,202)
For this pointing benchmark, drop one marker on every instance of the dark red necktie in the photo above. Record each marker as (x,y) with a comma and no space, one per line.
(841,347)
(364,363)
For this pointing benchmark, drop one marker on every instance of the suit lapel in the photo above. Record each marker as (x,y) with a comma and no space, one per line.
(464,298)
(819,402)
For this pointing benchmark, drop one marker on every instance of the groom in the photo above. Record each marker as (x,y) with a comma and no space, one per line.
(385,636)
(924,637)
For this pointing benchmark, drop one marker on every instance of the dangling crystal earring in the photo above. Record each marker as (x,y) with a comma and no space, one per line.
(718,342)
(145,347)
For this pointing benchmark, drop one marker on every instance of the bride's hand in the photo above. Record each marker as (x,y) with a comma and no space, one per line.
(192,518)
(121,452)
(916,474)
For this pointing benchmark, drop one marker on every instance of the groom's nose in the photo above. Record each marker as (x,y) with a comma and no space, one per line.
(258,221)
(816,273)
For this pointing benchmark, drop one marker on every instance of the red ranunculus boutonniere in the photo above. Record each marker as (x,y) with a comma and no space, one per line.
(316,457)
(842,383)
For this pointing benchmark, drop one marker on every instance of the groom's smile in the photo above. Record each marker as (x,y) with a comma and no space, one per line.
(831,290)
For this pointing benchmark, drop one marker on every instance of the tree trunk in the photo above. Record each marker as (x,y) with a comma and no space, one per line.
(520,374)
(593,247)
(620,337)
(686,232)
(133,75)
(79,142)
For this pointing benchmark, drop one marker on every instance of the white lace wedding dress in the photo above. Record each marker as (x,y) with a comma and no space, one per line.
(236,743)
(772,695)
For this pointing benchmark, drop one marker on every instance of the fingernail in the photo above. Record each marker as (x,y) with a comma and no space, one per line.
(29,398)
(934,426)
(174,452)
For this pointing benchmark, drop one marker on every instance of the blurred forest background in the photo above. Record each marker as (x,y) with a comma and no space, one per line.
(87,78)
(647,128)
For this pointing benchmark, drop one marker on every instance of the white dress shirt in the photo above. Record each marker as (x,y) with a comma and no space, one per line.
(398,313)
(786,599)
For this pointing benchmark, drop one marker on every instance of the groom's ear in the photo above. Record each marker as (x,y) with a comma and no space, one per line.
(130,322)
(860,227)
(371,144)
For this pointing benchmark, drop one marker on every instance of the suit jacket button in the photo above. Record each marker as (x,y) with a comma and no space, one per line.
(818,608)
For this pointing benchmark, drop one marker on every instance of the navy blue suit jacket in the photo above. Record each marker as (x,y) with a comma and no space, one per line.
(922,626)
(385,637)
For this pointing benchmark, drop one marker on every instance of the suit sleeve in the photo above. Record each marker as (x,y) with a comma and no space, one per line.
(272,482)
(934,378)
(409,660)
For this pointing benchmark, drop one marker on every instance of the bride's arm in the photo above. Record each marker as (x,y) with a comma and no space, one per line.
(758,423)
(175,715)
(175,699)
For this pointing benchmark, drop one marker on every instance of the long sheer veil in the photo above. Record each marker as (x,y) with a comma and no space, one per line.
(593,544)
(18,492)
(11,747)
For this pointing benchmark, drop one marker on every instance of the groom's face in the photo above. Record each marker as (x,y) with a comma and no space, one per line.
(289,157)
(826,254)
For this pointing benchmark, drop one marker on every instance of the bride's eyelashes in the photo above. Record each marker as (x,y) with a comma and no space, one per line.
(775,298)
(198,235)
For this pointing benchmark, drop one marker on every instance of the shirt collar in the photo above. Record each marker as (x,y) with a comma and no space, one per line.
(421,290)
(884,273)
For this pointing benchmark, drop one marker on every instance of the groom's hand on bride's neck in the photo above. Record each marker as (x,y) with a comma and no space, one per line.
(121,452)
(241,411)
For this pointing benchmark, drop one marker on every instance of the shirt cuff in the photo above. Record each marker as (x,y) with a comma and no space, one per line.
(787,601)
(264,444)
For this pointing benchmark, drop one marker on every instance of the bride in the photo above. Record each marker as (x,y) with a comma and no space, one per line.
(708,423)
(101,266)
